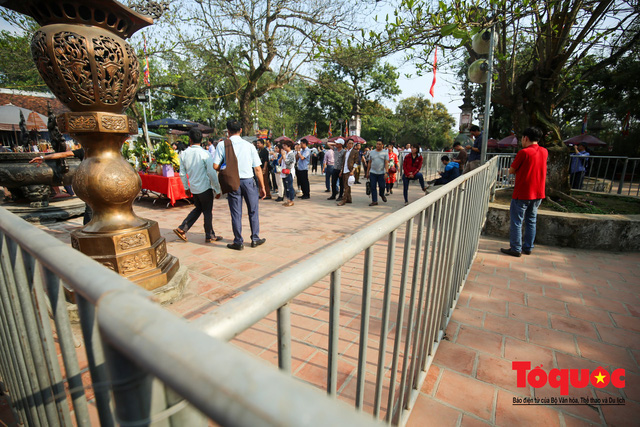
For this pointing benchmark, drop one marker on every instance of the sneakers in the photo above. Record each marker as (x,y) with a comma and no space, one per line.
(256,243)
(181,234)
(511,252)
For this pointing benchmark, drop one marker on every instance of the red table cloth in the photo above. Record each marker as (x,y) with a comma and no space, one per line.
(169,186)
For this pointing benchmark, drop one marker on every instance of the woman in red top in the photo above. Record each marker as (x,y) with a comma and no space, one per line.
(411,167)
(393,163)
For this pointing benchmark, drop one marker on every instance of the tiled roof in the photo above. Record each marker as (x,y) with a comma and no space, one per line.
(36,101)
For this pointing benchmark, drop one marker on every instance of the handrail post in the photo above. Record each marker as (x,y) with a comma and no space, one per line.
(624,172)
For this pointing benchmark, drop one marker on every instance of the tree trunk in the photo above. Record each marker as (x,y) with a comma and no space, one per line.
(245,115)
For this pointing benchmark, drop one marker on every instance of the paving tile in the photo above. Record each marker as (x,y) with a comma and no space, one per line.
(489,304)
(510,295)
(508,414)
(573,325)
(315,371)
(479,339)
(528,314)
(605,304)
(526,287)
(553,339)
(499,372)
(505,326)
(590,314)
(437,414)
(433,375)
(619,337)
(455,357)
(626,415)
(632,386)
(616,356)
(627,322)
(466,393)
(470,421)
(571,421)
(523,351)
(468,316)
(590,413)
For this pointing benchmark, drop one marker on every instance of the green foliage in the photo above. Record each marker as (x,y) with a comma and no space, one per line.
(164,155)
(17,70)
(424,123)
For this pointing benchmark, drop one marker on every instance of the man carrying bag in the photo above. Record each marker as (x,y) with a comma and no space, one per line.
(236,179)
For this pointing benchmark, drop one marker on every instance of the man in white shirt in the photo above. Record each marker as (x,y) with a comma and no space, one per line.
(196,162)
(248,164)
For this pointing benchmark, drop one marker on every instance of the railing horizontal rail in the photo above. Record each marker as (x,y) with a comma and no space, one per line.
(242,312)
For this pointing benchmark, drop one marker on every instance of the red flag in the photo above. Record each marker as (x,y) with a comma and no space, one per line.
(145,70)
(329,133)
(435,61)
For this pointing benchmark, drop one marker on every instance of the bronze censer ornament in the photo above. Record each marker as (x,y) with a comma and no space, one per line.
(82,56)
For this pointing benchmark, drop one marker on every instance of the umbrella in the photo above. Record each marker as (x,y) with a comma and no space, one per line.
(202,128)
(312,139)
(170,123)
(282,139)
(509,142)
(10,118)
(492,143)
(590,140)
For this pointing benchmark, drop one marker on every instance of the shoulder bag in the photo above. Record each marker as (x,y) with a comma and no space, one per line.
(229,177)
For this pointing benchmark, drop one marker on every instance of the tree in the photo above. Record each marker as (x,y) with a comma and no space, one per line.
(17,70)
(539,43)
(362,70)
(423,123)
(259,45)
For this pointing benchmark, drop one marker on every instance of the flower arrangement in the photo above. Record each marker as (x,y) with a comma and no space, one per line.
(141,153)
(165,155)
(128,155)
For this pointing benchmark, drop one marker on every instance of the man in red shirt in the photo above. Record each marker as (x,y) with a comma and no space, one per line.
(411,166)
(530,168)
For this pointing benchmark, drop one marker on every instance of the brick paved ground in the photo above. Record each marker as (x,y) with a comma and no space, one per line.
(559,308)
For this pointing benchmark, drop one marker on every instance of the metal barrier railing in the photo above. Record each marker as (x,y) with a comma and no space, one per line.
(127,340)
(437,236)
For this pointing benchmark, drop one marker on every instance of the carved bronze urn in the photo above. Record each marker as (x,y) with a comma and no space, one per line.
(82,56)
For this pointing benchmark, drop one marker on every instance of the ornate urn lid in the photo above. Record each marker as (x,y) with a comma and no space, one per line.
(108,14)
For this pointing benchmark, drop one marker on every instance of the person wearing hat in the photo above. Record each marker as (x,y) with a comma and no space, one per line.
(338,164)
(346,172)
(578,165)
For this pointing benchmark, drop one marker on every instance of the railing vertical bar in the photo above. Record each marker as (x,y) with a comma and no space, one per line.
(422,307)
(429,256)
(391,407)
(23,270)
(9,346)
(55,292)
(435,330)
(606,171)
(622,175)
(437,236)
(441,267)
(384,326)
(598,172)
(96,360)
(334,326)
(25,352)
(47,342)
(455,241)
(284,337)
(364,325)
(408,359)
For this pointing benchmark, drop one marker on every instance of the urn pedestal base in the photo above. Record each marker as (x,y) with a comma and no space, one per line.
(138,254)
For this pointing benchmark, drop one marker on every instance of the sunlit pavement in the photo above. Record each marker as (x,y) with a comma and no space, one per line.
(559,308)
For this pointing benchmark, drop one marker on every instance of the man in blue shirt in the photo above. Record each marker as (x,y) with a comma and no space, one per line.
(474,152)
(578,166)
(196,162)
(451,172)
(248,165)
(303,154)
